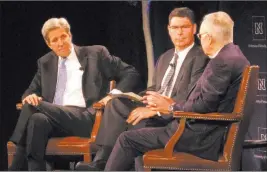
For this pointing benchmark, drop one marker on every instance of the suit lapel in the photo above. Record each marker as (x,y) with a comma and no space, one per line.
(52,74)
(83,61)
(80,55)
(185,63)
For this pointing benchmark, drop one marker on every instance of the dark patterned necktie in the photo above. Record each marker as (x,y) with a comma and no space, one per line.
(169,77)
(61,83)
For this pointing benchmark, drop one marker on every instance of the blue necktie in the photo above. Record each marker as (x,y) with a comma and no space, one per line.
(61,83)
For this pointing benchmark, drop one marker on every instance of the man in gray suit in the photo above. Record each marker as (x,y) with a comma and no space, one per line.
(59,99)
(176,72)
(215,91)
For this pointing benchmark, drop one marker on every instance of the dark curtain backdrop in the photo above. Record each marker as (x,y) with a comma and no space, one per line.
(159,20)
(118,26)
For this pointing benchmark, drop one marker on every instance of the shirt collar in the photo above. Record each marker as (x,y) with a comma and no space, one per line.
(70,56)
(184,51)
(214,55)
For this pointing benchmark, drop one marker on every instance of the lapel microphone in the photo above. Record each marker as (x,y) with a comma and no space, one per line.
(81,68)
(172,64)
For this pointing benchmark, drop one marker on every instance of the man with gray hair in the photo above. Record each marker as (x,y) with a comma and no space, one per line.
(215,91)
(59,99)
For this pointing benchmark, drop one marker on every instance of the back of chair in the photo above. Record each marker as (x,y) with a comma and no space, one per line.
(244,106)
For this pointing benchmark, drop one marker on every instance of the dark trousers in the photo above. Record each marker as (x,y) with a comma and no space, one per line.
(134,143)
(139,164)
(131,144)
(37,124)
(114,122)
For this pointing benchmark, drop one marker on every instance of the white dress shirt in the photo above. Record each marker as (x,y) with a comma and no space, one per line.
(181,56)
(215,54)
(73,95)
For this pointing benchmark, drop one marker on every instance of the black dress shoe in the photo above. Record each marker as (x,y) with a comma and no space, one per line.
(85,166)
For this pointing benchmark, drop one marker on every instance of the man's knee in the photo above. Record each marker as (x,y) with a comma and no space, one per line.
(119,106)
(113,103)
(38,118)
(124,137)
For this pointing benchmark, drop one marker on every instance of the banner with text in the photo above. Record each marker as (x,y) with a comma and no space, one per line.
(250,35)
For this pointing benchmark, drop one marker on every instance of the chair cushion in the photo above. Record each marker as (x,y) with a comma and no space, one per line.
(68,146)
(181,161)
(62,146)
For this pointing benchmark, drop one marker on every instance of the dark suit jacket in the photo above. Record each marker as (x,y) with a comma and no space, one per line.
(215,91)
(190,71)
(99,68)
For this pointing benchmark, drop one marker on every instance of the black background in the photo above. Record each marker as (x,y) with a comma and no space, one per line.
(116,25)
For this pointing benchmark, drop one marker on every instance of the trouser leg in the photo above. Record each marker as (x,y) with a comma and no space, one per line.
(135,143)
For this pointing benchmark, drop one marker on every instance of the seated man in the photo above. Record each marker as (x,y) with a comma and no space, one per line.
(59,99)
(215,91)
(177,70)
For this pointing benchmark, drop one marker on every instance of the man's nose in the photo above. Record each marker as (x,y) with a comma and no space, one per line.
(60,42)
(179,31)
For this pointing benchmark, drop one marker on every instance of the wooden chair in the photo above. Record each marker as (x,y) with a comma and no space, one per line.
(238,124)
(70,145)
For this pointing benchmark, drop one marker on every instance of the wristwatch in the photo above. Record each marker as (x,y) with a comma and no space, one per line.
(171,108)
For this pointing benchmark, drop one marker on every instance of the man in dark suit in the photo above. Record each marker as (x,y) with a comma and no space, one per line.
(59,99)
(176,71)
(215,91)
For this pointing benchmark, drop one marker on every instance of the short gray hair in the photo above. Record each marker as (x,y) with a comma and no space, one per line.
(220,25)
(54,23)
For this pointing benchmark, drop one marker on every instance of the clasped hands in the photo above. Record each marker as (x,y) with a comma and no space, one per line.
(155,102)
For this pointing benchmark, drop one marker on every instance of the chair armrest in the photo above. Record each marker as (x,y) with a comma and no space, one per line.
(255,143)
(208,116)
(168,150)
(98,106)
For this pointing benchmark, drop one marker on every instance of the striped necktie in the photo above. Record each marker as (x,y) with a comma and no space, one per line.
(169,77)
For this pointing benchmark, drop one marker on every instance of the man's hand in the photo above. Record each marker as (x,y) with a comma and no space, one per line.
(105,99)
(138,114)
(157,102)
(32,99)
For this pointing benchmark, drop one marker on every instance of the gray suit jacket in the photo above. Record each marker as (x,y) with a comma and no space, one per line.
(190,71)
(99,68)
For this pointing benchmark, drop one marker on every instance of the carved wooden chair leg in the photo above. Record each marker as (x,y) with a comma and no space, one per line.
(87,158)
(10,159)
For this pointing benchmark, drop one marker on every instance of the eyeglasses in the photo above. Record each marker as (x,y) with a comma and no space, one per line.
(199,35)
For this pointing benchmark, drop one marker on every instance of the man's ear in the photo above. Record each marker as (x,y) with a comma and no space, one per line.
(210,39)
(168,28)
